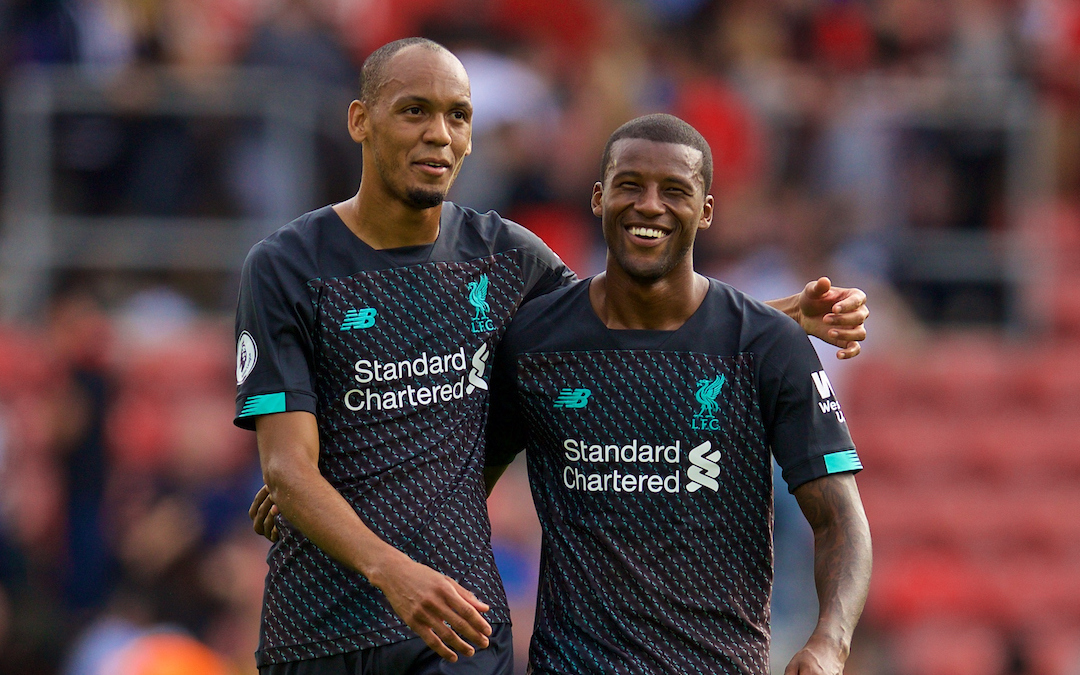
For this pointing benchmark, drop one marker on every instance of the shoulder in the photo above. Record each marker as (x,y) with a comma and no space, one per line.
(501,234)
(294,246)
(762,330)
(755,316)
(550,316)
(559,302)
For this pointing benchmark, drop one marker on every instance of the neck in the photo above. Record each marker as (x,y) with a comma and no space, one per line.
(625,303)
(383,221)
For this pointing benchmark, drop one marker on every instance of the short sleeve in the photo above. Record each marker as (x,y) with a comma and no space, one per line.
(807,430)
(544,271)
(552,275)
(274,319)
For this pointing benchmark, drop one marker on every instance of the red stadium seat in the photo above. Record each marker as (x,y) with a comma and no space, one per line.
(1009,591)
(26,362)
(1054,650)
(944,648)
(197,360)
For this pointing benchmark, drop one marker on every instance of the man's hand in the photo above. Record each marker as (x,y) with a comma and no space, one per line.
(426,600)
(445,615)
(833,314)
(263,514)
(440,611)
(817,658)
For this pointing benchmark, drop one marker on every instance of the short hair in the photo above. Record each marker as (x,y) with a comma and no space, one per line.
(662,128)
(373,72)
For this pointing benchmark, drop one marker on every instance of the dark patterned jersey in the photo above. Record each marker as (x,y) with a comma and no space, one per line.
(390,350)
(649,460)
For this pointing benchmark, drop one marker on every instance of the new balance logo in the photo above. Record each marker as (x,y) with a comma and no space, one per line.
(828,403)
(359,318)
(704,471)
(572,398)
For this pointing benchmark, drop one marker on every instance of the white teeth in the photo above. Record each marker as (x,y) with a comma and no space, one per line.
(647,232)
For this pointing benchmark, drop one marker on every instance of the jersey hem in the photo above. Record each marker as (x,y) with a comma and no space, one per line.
(343,645)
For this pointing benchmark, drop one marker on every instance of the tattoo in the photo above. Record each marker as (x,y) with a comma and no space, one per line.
(842,552)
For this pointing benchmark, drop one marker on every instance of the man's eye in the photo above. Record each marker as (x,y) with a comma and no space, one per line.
(459,115)
(413,110)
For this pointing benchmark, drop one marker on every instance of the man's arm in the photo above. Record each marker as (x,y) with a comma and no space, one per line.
(842,562)
(833,314)
(263,510)
(423,598)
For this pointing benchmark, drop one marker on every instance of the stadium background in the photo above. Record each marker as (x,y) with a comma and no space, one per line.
(927,151)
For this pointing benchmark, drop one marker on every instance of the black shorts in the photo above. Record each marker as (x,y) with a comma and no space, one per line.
(411,657)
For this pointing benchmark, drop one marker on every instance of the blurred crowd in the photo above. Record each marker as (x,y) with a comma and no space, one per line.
(842,130)
(124,494)
(839,126)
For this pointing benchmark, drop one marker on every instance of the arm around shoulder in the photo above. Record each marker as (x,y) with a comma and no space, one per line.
(831,313)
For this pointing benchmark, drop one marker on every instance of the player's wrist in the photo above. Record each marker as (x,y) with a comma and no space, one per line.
(382,563)
(830,641)
(789,306)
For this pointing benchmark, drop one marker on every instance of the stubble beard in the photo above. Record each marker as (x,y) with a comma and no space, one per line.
(413,197)
(423,199)
(650,272)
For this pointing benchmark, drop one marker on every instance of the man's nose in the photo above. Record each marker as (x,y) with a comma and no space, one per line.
(649,203)
(438,131)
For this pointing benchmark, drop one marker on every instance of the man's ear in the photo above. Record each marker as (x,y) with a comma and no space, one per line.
(707,210)
(598,200)
(358,116)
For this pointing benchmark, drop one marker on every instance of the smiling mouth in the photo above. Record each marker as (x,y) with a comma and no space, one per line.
(647,232)
(433,168)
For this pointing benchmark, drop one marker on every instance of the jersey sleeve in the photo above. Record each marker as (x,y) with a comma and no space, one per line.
(274,361)
(505,434)
(544,269)
(806,426)
(552,274)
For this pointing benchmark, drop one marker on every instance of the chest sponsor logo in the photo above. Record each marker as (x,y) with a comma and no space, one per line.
(478,299)
(476,373)
(639,466)
(384,385)
(359,319)
(572,398)
(706,395)
(246,356)
(827,402)
(703,468)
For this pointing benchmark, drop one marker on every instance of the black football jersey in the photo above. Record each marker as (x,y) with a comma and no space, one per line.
(649,460)
(391,351)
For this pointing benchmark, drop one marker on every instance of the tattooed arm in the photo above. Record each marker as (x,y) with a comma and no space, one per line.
(842,561)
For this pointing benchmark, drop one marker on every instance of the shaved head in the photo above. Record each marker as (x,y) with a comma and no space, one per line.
(373,73)
(662,128)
